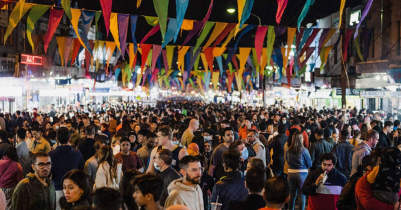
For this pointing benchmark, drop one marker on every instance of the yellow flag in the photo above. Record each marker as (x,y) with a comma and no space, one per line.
(238,78)
(187,25)
(114,29)
(290,40)
(169,52)
(110,46)
(181,56)
(61,48)
(243,57)
(138,3)
(215,79)
(15,17)
(76,14)
(342,5)
(199,81)
(218,28)
(218,51)
(241,4)
(131,55)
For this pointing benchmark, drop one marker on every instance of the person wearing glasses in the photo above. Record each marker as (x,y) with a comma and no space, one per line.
(186,191)
(36,191)
(253,139)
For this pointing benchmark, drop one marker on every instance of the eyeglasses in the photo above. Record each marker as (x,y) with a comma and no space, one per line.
(251,136)
(201,169)
(41,165)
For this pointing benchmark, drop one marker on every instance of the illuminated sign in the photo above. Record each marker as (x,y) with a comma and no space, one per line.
(31,60)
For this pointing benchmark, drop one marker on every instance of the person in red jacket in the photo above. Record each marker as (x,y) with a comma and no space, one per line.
(365,199)
(296,126)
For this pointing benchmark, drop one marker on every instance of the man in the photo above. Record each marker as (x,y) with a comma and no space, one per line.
(24,159)
(188,135)
(343,152)
(86,146)
(396,125)
(296,127)
(153,126)
(255,179)
(64,158)
(74,136)
(186,190)
(165,136)
(285,122)
(324,185)
(107,199)
(144,152)
(39,144)
(318,148)
(4,143)
(216,168)
(36,191)
(208,151)
(141,139)
(130,159)
(147,191)
(244,129)
(231,187)
(162,163)
(363,149)
(91,165)
(19,122)
(277,193)
(253,139)
(227,124)
(384,140)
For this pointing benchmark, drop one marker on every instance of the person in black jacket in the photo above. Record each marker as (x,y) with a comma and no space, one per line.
(278,150)
(87,145)
(384,140)
(255,179)
(346,201)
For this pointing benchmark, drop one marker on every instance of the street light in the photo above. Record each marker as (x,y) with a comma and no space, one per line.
(231,10)
(377,77)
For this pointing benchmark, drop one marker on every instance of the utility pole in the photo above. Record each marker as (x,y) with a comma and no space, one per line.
(343,69)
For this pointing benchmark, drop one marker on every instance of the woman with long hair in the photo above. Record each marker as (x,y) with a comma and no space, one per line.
(11,173)
(357,138)
(299,161)
(109,172)
(125,129)
(77,190)
(127,191)
(364,131)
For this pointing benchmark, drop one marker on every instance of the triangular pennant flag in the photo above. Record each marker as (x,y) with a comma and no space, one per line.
(246,30)
(309,51)
(67,51)
(181,7)
(170,53)
(243,56)
(171,30)
(263,62)
(209,11)
(87,18)
(106,11)
(114,29)
(187,25)
(75,51)
(229,27)
(67,8)
(219,60)
(36,12)
(164,54)
(193,58)
(282,4)
(364,13)
(271,36)
(123,29)
(209,57)
(145,52)
(134,19)
(216,31)
(246,12)
(161,7)
(241,5)
(197,26)
(61,48)
(304,12)
(305,37)
(358,49)
(324,55)
(309,41)
(259,38)
(153,21)
(132,55)
(348,34)
(342,5)
(218,51)
(290,40)
(155,54)
(180,60)
(76,14)
(54,20)
(149,34)
(255,60)
(205,32)
(110,46)
(215,80)
(138,3)
(230,78)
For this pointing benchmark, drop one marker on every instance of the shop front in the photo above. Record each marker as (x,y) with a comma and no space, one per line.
(10,99)
(322,98)
(352,97)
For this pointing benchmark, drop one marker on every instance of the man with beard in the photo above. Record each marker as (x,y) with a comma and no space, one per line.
(36,191)
(216,169)
(130,159)
(74,135)
(231,187)
(186,190)
(324,185)
(144,152)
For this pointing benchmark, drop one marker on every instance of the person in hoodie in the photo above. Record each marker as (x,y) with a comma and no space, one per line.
(36,191)
(324,185)
(64,158)
(186,190)
(231,187)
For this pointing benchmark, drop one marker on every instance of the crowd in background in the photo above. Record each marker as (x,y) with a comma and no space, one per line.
(191,155)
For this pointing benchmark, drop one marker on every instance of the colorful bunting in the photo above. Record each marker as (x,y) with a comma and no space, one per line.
(203,35)
(76,14)
(216,31)
(180,60)
(61,48)
(215,80)
(134,19)
(155,54)
(171,30)
(342,5)
(324,55)
(270,42)
(181,7)
(114,29)
(132,55)
(123,29)
(170,51)
(197,27)
(16,15)
(54,20)
(152,20)
(106,11)
(364,13)
(75,50)
(67,51)
(67,8)
(36,12)
(246,12)
(161,7)
(259,38)
(110,47)
(209,11)
(229,27)
(282,4)
(187,25)
(348,34)
(304,12)
(149,34)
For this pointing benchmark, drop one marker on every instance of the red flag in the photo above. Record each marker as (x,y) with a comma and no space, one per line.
(348,34)
(145,52)
(209,57)
(75,50)
(106,11)
(259,38)
(149,34)
(224,33)
(209,11)
(54,20)
(282,4)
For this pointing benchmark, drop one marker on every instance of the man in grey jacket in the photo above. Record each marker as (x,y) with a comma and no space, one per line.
(364,149)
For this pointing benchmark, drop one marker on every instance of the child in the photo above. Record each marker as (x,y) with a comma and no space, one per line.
(385,178)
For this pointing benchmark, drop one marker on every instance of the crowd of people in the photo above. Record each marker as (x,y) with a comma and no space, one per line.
(191,155)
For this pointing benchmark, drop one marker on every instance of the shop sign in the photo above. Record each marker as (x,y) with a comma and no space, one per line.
(269,95)
(31,60)
(7,64)
(303,94)
(374,94)
(101,90)
(321,94)
(348,92)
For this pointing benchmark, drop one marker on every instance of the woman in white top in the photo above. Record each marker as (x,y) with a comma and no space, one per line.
(109,172)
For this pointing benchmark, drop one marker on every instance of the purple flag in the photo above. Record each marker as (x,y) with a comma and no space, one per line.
(123,28)
(198,25)
(364,13)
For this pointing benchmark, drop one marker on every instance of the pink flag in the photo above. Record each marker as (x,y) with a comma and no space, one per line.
(282,4)
(155,54)
(259,38)
(54,20)
(106,10)
(150,33)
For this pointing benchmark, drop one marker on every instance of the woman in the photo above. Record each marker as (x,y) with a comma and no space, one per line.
(109,172)
(77,190)
(257,162)
(28,137)
(364,131)
(125,129)
(397,138)
(299,161)
(127,191)
(10,173)
(357,138)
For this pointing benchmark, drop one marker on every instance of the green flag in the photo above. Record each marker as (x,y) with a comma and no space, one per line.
(36,12)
